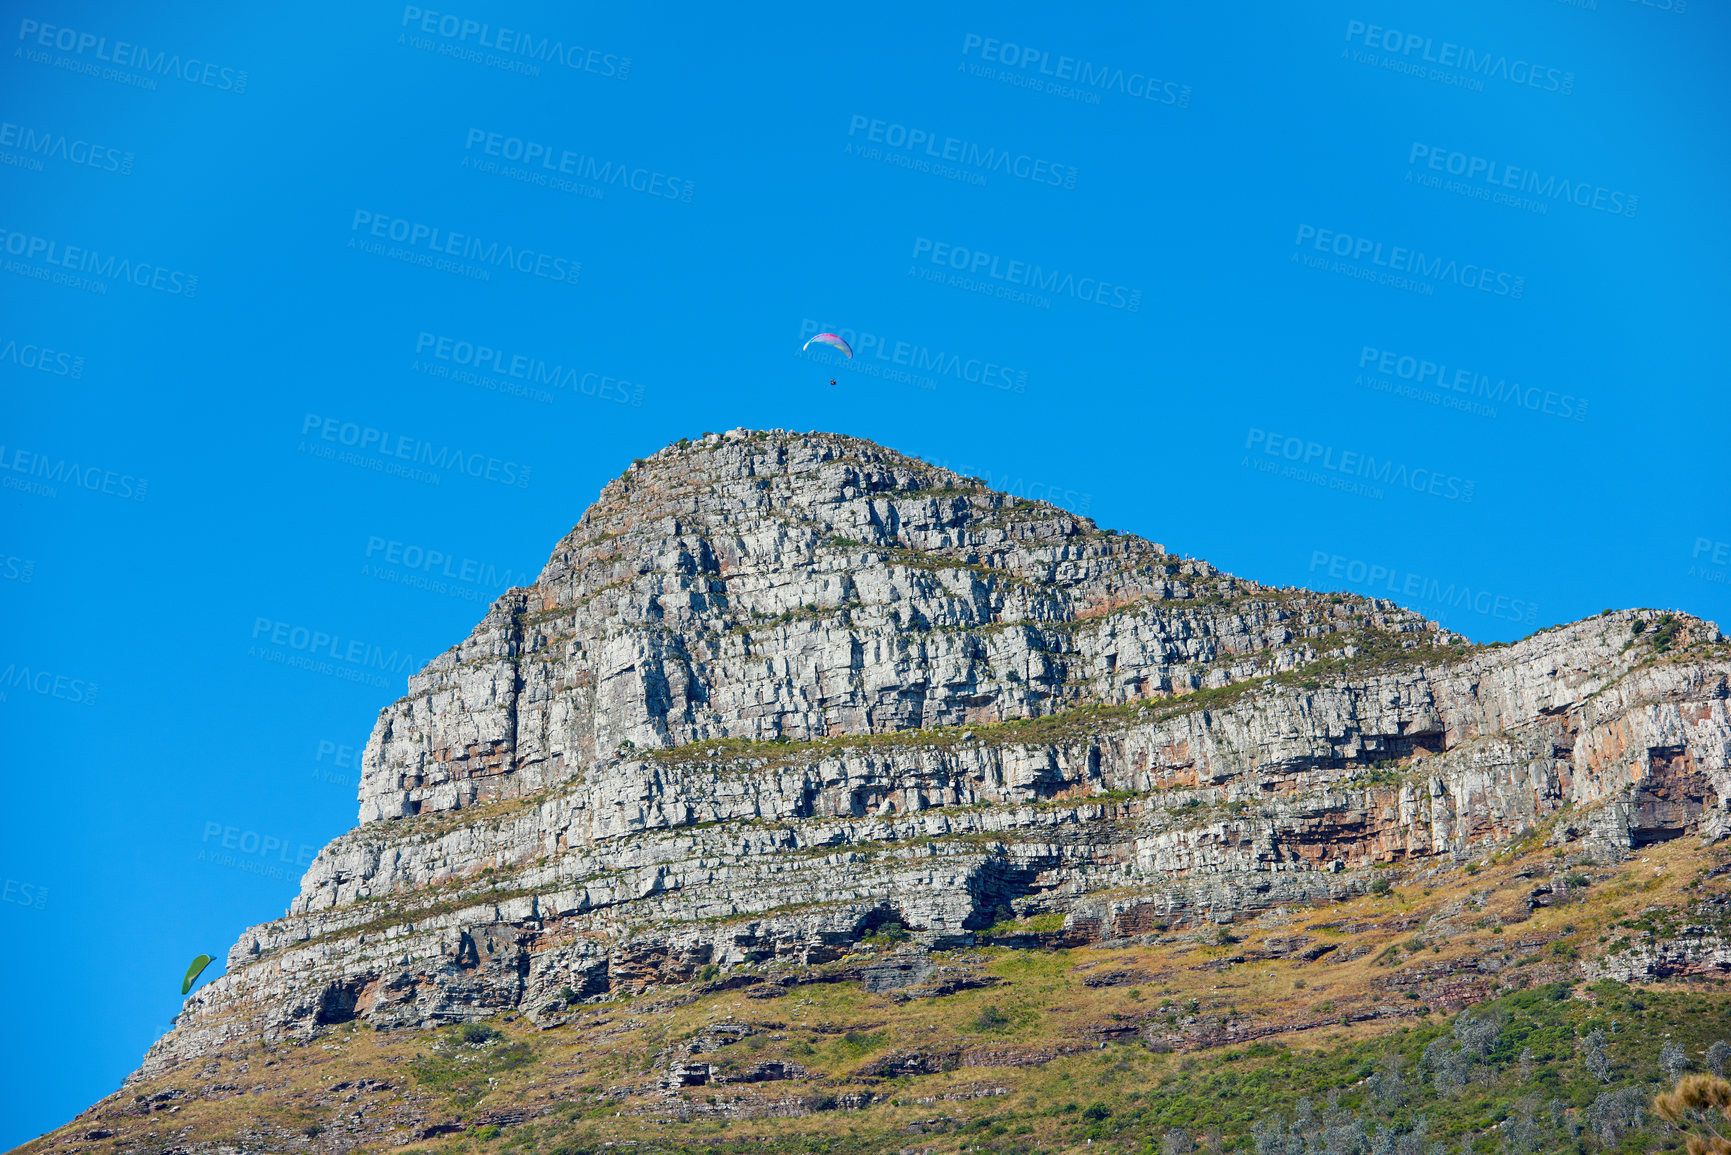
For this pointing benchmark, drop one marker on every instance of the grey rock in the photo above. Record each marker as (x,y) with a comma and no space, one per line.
(774,690)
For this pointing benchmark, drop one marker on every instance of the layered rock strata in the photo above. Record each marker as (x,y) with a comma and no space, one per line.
(776,692)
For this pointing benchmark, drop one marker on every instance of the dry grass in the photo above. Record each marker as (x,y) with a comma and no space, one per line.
(1051,1037)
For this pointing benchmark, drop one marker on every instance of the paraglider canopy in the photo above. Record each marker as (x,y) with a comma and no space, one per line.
(193,971)
(831,340)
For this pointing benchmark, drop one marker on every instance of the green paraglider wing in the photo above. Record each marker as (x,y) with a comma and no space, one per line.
(193,971)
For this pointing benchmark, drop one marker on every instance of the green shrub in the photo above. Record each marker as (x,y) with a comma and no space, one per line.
(1665,632)
(1049,923)
(888,934)
(461,1072)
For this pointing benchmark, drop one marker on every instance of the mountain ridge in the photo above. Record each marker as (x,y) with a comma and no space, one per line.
(777,692)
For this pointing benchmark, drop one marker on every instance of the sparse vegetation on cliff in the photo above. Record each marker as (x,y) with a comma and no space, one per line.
(1484,1032)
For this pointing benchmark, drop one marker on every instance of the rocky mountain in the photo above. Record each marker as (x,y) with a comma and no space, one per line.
(780,695)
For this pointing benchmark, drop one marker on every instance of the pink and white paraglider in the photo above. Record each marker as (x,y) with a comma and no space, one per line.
(831,340)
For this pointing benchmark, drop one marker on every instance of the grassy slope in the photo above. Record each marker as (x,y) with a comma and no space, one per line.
(1043,1060)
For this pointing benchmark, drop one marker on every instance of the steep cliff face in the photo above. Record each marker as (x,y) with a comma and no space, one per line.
(775,691)
(762,586)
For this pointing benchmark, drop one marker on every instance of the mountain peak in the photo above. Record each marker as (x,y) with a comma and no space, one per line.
(779,698)
(764,585)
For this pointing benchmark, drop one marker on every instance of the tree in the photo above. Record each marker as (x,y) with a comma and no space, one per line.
(1673,1060)
(1386,1085)
(1521,1131)
(1451,1058)
(1593,1056)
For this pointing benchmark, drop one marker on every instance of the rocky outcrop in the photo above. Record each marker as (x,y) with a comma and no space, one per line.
(764,586)
(778,693)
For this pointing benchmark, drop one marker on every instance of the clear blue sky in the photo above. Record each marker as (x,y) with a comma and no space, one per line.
(1279,288)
